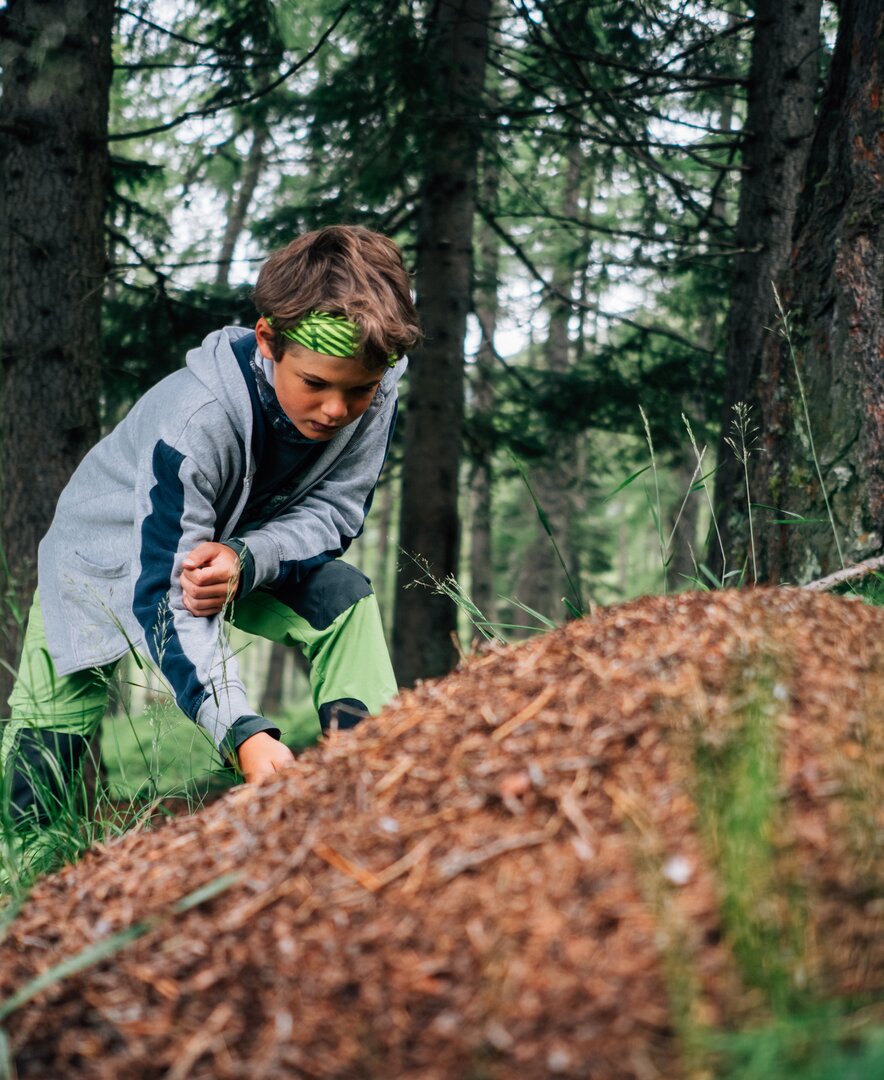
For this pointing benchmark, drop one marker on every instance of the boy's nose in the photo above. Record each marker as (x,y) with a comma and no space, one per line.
(334,407)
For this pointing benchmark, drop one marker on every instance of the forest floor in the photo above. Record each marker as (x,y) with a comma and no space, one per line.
(614,851)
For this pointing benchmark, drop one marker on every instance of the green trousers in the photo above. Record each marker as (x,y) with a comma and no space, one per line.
(332,617)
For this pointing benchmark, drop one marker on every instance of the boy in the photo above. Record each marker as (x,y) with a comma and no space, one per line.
(230,489)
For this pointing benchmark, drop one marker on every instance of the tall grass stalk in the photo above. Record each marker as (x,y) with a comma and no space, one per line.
(80,819)
(742,442)
(452,590)
(576,608)
(658,512)
(699,456)
(697,472)
(785,332)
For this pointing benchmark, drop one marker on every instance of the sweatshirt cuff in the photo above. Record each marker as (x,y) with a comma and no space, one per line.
(246,567)
(265,557)
(244,728)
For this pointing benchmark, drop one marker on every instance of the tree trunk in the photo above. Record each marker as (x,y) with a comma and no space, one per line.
(834,292)
(776,138)
(482,479)
(239,202)
(53,187)
(481,550)
(458,40)
(274,685)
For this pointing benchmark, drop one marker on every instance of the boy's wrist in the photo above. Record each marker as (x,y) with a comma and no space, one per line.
(262,756)
(246,580)
(244,728)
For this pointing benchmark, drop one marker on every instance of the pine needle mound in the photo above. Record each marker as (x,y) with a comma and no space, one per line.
(570,858)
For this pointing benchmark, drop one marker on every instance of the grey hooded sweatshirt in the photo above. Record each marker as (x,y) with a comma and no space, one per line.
(175,472)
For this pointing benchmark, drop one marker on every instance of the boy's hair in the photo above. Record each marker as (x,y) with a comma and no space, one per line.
(343,270)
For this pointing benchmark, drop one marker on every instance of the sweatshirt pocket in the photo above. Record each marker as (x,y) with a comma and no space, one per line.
(97,602)
(92,569)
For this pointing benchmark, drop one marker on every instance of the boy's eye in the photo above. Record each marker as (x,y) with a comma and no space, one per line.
(313,384)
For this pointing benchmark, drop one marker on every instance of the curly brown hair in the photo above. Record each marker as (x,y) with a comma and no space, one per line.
(344,270)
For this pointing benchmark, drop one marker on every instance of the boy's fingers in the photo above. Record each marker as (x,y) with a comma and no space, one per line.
(201,554)
(204,576)
(202,607)
(216,592)
(210,575)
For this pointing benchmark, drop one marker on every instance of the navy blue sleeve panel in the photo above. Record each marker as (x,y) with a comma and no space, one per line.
(161,533)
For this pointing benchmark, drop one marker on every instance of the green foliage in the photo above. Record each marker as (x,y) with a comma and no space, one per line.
(156,763)
(149,328)
(869,588)
(738,770)
(814,1044)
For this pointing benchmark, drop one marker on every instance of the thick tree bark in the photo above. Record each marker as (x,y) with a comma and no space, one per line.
(434,423)
(777,133)
(834,292)
(53,182)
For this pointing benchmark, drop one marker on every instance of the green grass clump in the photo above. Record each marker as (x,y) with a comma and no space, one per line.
(813,1045)
(800,1036)
(870,589)
(157,762)
(738,773)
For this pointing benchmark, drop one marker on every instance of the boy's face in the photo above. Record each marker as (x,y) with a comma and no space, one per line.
(319,394)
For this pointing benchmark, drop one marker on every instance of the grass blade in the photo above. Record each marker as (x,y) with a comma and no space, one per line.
(544,520)
(101,950)
(548,623)
(625,483)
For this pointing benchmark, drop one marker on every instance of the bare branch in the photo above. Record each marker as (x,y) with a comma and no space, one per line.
(849,573)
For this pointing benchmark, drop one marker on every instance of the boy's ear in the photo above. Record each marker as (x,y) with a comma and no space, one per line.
(265,338)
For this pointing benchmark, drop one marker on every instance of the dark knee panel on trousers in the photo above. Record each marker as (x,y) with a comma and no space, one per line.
(326,592)
(44,765)
(342,715)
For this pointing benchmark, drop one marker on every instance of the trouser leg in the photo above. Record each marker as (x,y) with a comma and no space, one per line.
(53,717)
(333,617)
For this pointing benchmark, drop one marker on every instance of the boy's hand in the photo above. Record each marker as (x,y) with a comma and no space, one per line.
(209,578)
(262,755)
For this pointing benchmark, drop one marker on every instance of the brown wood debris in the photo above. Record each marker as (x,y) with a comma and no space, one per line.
(513,873)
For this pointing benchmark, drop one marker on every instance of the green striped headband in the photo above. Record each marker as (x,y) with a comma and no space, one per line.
(322,332)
